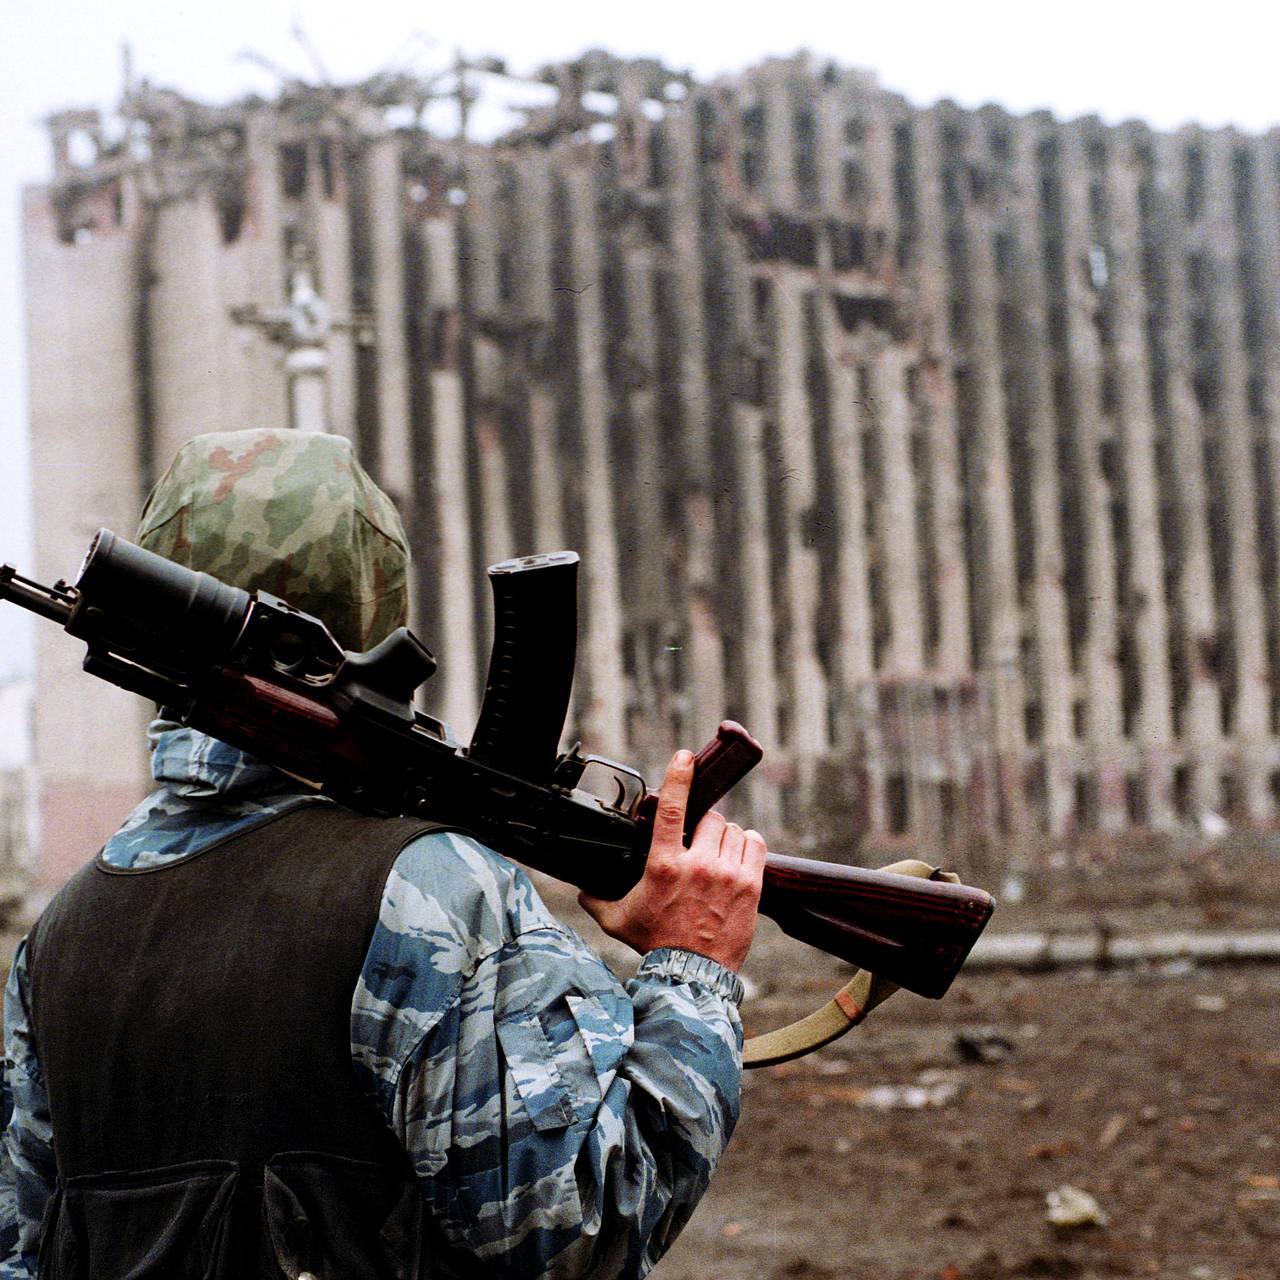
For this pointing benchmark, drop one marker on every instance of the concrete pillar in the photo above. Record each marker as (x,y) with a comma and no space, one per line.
(648,576)
(327,218)
(184,320)
(759,673)
(896,512)
(950,585)
(544,473)
(778,102)
(539,363)
(90,751)
(1251,718)
(654,584)
(1104,724)
(482,220)
(832,106)
(858,720)
(755,620)
(603,718)
(487,328)
(497,541)
(855,693)
(1001,660)
(1048,595)
(634,129)
(1201,727)
(1153,729)
(385,220)
(809,737)
(705,651)
(261,281)
(459,672)
(880,221)
(1266,250)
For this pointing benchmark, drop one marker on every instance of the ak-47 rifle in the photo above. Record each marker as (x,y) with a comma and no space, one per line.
(254,672)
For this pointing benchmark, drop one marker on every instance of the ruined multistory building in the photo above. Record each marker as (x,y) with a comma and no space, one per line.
(941,447)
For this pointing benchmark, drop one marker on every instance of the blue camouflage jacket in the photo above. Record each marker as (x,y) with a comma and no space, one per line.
(573,1143)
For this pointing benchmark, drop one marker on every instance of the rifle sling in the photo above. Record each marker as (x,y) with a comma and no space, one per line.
(848,1007)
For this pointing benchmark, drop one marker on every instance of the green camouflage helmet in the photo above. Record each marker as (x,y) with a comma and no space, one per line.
(291,513)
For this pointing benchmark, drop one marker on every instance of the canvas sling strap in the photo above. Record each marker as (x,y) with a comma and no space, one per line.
(848,1007)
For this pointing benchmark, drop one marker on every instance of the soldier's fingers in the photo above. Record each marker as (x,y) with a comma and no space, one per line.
(754,852)
(733,841)
(673,799)
(708,834)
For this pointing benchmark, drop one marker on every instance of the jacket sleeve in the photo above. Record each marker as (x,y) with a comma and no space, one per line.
(561,1125)
(27,1167)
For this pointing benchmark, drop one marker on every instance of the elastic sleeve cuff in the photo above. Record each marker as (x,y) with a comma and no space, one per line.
(688,966)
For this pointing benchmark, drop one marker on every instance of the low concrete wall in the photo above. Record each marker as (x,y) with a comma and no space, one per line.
(1052,950)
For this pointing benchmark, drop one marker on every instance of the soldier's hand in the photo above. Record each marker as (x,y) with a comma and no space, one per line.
(703,898)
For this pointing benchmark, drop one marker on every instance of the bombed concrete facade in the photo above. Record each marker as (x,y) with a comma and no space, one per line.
(940,447)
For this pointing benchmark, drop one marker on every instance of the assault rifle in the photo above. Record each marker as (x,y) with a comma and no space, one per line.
(257,673)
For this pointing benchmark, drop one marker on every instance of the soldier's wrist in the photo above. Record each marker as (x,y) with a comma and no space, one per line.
(684,965)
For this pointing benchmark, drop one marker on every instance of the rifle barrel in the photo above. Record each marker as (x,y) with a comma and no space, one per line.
(53,602)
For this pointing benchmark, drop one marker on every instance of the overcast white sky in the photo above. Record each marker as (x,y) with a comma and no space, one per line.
(1166,63)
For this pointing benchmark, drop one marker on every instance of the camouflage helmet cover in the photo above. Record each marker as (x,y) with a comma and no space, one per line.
(291,513)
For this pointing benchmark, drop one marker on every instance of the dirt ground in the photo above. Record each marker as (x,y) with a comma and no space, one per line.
(1154,1091)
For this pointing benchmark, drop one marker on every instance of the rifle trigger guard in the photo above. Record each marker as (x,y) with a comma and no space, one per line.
(630,784)
(844,1011)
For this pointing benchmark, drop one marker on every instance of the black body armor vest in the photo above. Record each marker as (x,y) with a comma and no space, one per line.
(193,1024)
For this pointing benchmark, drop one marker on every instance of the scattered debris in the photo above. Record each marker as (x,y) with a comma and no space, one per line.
(831,1066)
(1112,1130)
(1052,1150)
(940,1075)
(1207,1102)
(1069,1207)
(908,1097)
(1211,1003)
(1016,1084)
(983,1045)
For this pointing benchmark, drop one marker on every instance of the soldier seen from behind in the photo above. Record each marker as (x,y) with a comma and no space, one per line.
(262,1035)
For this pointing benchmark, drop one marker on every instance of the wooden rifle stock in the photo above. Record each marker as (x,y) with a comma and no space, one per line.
(912,931)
